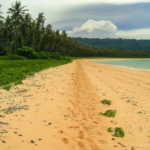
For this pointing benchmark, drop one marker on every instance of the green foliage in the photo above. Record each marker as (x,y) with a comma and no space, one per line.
(109,113)
(110,130)
(42,55)
(12,57)
(125,44)
(101,113)
(27,52)
(16,70)
(2,51)
(106,102)
(56,55)
(7,87)
(119,132)
(67,58)
(18,82)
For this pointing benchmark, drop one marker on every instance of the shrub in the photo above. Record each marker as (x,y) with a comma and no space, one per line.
(56,55)
(42,55)
(27,52)
(109,113)
(67,58)
(2,51)
(106,102)
(12,57)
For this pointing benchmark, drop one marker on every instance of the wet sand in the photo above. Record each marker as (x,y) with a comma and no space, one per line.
(63,105)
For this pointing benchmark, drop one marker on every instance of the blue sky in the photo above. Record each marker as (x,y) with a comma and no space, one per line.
(93,18)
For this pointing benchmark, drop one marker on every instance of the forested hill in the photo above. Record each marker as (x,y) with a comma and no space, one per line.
(125,44)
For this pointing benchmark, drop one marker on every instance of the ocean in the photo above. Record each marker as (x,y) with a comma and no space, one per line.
(131,64)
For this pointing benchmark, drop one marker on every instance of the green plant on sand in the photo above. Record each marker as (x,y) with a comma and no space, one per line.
(118,132)
(7,87)
(18,82)
(105,101)
(110,130)
(109,113)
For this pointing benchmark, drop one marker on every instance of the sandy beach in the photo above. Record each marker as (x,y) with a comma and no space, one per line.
(60,109)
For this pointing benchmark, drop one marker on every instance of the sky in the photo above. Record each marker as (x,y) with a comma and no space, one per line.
(127,19)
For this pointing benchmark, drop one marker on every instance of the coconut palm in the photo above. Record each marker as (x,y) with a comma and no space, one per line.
(57,33)
(17,13)
(24,28)
(64,34)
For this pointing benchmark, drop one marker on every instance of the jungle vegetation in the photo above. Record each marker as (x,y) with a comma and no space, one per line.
(124,44)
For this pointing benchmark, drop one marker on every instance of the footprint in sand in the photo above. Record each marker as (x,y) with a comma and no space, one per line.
(99,133)
(95,122)
(61,131)
(81,136)
(102,142)
(81,145)
(65,141)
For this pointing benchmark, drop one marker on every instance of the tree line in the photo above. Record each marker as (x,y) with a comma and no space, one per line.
(125,44)
(20,29)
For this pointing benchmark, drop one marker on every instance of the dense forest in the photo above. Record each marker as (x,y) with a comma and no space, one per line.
(125,44)
(20,29)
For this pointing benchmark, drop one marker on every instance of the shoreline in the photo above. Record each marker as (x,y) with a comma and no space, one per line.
(129,67)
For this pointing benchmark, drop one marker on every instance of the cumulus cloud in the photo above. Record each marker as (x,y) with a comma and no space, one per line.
(94,28)
(106,29)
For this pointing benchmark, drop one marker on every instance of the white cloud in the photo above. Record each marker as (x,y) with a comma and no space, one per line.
(94,28)
(106,29)
(135,34)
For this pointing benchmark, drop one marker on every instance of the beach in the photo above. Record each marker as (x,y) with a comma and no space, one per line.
(61,106)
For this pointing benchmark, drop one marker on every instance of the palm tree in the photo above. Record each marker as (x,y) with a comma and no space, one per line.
(64,34)
(17,13)
(38,31)
(24,27)
(57,32)
(49,29)
(40,20)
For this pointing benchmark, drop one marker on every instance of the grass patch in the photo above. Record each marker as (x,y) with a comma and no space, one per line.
(18,82)
(106,102)
(17,70)
(110,130)
(7,87)
(109,113)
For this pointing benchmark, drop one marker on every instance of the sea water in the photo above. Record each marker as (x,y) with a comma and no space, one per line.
(131,64)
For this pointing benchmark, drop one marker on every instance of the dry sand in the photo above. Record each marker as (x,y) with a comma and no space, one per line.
(64,106)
